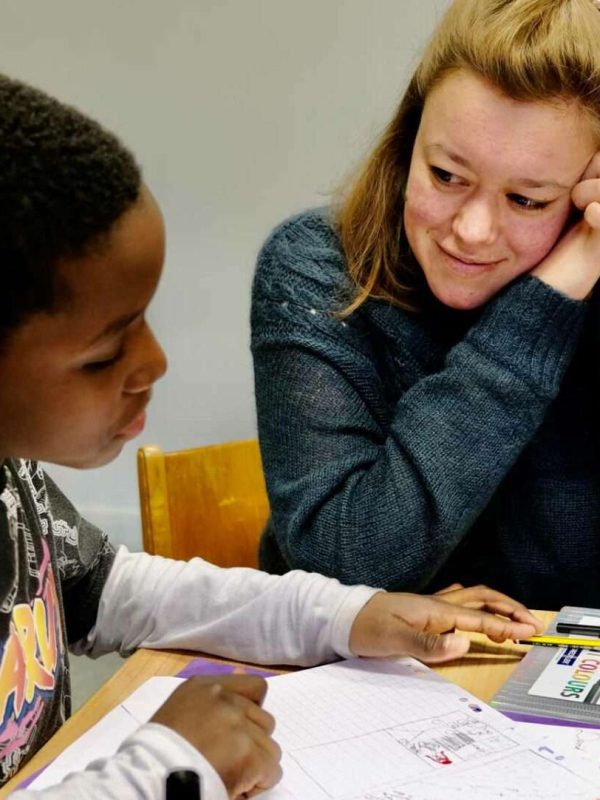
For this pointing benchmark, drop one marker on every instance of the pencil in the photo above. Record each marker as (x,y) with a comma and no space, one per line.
(561,641)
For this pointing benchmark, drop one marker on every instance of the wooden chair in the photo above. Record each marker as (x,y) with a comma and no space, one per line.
(208,501)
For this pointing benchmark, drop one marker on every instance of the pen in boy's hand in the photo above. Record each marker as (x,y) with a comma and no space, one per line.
(183,784)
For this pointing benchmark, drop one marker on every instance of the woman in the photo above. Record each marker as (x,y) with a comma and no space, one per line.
(425,352)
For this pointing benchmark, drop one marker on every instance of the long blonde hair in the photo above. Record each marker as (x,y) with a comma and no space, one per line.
(532,50)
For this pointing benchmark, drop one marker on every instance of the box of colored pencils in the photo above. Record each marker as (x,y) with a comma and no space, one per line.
(558,682)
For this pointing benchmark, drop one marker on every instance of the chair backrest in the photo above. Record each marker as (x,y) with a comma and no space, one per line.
(209,502)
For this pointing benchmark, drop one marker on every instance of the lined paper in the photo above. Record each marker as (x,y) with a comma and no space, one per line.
(376,730)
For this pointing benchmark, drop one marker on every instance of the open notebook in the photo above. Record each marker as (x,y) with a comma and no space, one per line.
(375,730)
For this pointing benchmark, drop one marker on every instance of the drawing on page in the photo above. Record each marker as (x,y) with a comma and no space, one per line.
(363,736)
(587,741)
(398,754)
(582,744)
(518,776)
(444,740)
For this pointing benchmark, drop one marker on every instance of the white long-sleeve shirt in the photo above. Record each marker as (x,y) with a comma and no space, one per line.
(148,601)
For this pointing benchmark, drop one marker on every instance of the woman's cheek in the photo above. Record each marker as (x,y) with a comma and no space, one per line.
(533,242)
(424,207)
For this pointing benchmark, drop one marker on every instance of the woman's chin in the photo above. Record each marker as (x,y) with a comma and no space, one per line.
(459,299)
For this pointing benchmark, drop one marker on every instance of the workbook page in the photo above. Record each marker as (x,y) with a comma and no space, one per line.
(375,730)
(380,730)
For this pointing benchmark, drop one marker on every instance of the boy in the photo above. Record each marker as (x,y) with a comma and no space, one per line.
(82,246)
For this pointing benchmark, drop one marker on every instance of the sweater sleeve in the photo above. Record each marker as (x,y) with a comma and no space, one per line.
(386,501)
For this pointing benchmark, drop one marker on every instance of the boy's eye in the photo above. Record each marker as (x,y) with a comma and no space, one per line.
(105,363)
(443,176)
(526,202)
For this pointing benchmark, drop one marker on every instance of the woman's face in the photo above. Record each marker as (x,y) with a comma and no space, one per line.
(489,186)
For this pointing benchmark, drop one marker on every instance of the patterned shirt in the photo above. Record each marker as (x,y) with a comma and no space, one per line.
(54,565)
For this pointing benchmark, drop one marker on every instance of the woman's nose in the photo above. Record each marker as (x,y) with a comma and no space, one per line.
(476,223)
(152,365)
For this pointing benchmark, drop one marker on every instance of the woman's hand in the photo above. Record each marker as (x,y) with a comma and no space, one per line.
(573,266)
(418,625)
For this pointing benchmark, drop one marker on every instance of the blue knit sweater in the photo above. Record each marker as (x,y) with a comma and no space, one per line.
(411,450)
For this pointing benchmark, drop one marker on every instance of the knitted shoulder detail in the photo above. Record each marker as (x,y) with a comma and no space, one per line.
(302,263)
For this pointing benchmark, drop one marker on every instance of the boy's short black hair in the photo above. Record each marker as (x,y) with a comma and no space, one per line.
(64,181)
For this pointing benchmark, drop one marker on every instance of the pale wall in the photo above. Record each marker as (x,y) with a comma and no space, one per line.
(241,113)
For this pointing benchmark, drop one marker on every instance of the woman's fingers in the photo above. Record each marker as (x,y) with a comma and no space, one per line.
(592,170)
(586,192)
(592,215)
(572,267)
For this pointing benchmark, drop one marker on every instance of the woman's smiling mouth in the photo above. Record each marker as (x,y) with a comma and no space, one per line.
(467,267)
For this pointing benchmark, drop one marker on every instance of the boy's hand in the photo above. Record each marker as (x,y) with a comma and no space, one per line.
(223,719)
(417,625)
(573,266)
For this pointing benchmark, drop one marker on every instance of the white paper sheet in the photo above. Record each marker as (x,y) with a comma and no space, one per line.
(374,730)
(378,730)
(582,744)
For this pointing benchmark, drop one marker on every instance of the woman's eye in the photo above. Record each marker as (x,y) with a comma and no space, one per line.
(443,176)
(105,363)
(526,202)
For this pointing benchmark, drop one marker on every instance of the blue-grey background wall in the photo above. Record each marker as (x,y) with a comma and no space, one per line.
(241,112)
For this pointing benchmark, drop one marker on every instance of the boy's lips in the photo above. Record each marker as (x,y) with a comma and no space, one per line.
(134,428)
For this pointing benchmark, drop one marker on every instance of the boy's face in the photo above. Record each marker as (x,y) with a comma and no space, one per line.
(74,384)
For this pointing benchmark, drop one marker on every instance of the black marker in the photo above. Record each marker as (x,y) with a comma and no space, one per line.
(576,627)
(183,784)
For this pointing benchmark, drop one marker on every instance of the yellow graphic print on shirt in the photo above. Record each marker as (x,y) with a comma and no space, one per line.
(28,666)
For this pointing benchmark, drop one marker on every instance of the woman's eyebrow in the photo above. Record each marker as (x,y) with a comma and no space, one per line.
(529,183)
(451,154)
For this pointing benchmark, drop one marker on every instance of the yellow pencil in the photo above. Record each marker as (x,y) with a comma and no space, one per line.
(561,641)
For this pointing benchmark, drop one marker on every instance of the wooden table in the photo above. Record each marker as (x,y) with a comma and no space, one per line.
(482,671)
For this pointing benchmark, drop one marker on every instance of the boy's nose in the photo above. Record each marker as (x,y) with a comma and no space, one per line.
(152,366)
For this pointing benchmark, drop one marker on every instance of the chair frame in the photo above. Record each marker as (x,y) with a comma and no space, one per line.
(231,496)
